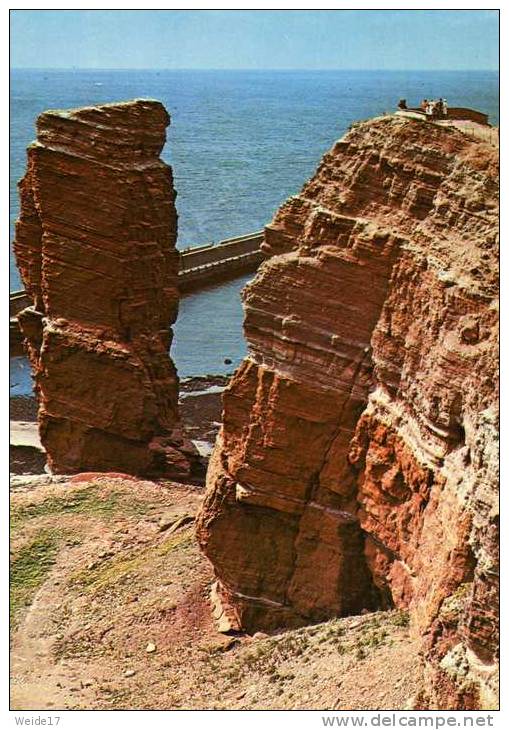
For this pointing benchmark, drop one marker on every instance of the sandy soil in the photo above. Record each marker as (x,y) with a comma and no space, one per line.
(110,610)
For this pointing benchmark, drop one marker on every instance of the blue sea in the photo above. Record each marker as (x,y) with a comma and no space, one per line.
(240,142)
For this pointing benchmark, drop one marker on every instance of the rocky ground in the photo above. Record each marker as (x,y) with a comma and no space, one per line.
(110,610)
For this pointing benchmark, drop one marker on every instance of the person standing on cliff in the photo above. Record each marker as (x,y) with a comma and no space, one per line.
(444,107)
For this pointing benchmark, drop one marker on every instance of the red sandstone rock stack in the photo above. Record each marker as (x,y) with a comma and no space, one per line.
(95,245)
(357,463)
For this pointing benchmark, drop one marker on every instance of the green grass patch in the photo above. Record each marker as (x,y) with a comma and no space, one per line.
(268,656)
(29,569)
(400,618)
(122,566)
(87,501)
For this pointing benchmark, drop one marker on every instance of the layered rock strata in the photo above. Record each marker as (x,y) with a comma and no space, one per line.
(95,245)
(357,463)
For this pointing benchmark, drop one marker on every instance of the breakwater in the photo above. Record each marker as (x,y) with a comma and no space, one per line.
(212,263)
(200,266)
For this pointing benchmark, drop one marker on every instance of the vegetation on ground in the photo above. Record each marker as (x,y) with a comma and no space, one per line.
(29,569)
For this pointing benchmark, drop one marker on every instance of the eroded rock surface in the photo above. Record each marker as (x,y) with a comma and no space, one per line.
(95,245)
(357,463)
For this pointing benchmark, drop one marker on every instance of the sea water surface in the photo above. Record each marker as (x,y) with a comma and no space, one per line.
(240,142)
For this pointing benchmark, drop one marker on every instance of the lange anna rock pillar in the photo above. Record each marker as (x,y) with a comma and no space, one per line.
(95,245)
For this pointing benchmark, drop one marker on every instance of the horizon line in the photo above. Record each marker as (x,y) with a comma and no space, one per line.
(198,68)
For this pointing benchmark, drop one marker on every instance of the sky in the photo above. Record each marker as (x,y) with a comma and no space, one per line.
(257,39)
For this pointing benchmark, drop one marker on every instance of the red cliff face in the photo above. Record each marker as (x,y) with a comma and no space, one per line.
(357,463)
(95,245)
